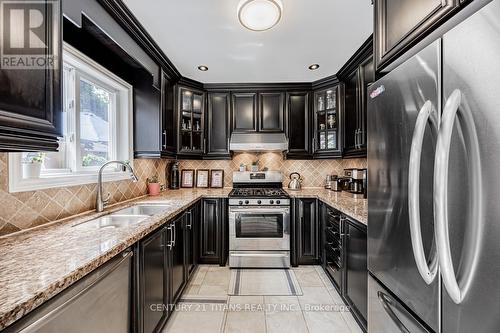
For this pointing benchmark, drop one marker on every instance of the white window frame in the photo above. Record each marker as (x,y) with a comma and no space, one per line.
(122,119)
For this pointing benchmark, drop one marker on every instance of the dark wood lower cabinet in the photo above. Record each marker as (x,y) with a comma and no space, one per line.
(177,260)
(213,232)
(307,232)
(356,270)
(151,288)
(321,234)
(165,262)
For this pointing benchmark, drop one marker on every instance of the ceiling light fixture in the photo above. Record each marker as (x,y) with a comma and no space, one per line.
(259,15)
(203,68)
(314,67)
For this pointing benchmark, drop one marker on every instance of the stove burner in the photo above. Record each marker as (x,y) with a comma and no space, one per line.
(258,192)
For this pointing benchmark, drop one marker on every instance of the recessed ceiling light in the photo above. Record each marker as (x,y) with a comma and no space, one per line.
(314,67)
(203,68)
(259,15)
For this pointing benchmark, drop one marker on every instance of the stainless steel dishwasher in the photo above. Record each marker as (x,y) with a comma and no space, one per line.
(100,302)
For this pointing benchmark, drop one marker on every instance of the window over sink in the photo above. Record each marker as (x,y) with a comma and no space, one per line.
(97,127)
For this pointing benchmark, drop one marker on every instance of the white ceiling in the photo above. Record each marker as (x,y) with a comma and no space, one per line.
(207,32)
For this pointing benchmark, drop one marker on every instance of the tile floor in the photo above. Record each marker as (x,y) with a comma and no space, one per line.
(206,306)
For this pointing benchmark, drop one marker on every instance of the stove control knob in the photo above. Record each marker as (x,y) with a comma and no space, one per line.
(278,202)
(271,202)
(259,202)
(247,202)
(240,202)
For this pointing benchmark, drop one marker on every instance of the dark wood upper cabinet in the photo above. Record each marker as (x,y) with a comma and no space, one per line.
(327,123)
(218,129)
(399,24)
(271,112)
(169,130)
(356,78)
(31,98)
(191,114)
(245,116)
(298,125)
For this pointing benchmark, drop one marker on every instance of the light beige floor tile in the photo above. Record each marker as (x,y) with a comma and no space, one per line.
(191,290)
(309,278)
(315,296)
(199,275)
(335,295)
(351,322)
(195,321)
(327,322)
(282,304)
(243,322)
(217,278)
(207,290)
(289,322)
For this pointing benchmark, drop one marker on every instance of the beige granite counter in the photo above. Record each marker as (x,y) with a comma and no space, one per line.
(37,264)
(355,208)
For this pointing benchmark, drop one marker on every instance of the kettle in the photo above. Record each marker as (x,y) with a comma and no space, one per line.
(295,181)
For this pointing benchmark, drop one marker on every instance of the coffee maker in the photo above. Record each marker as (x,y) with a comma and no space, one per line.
(358,182)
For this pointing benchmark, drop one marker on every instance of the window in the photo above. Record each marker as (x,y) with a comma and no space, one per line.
(97,127)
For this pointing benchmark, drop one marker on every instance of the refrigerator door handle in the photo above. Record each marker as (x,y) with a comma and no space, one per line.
(427,271)
(455,291)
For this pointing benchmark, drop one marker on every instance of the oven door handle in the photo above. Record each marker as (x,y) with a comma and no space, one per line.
(260,210)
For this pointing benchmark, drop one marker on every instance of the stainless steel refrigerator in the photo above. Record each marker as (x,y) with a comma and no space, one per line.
(434,184)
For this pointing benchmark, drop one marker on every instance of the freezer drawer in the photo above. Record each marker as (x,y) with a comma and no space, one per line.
(386,314)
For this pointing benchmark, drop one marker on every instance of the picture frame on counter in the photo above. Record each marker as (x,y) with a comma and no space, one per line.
(187,178)
(202,178)
(216,178)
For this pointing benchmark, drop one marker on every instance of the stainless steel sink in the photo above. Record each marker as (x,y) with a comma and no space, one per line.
(141,209)
(112,221)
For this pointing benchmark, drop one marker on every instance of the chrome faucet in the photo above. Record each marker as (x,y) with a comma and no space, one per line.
(100,202)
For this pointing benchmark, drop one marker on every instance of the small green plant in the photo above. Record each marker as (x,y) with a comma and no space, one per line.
(34,158)
(256,162)
(93,160)
(153,179)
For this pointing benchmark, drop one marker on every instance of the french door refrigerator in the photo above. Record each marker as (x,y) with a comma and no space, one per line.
(434,185)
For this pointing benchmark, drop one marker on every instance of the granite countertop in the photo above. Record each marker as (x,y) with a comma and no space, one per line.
(38,264)
(355,208)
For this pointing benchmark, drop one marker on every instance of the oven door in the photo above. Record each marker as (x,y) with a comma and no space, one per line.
(259,229)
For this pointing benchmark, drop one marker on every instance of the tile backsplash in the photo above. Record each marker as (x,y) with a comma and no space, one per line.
(26,210)
(313,172)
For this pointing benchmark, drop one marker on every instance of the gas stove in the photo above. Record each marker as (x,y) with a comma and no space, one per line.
(259,221)
(258,189)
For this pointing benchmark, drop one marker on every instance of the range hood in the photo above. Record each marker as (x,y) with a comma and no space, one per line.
(248,142)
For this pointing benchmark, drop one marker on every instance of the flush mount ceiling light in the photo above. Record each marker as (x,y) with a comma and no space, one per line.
(259,15)
(203,68)
(313,67)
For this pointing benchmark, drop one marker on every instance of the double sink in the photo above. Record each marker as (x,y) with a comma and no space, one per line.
(126,216)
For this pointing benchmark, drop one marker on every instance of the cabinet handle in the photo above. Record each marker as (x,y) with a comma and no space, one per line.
(164,139)
(356,138)
(190,221)
(174,235)
(170,245)
(204,145)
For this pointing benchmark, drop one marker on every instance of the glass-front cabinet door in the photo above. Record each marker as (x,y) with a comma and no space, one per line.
(191,106)
(327,123)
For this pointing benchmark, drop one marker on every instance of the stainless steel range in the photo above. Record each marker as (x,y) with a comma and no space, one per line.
(259,221)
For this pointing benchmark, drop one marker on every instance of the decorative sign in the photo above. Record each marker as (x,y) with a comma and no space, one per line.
(202,178)
(217,178)
(187,178)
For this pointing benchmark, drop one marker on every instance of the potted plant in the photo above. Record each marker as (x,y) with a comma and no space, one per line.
(255,166)
(243,167)
(32,165)
(153,185)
